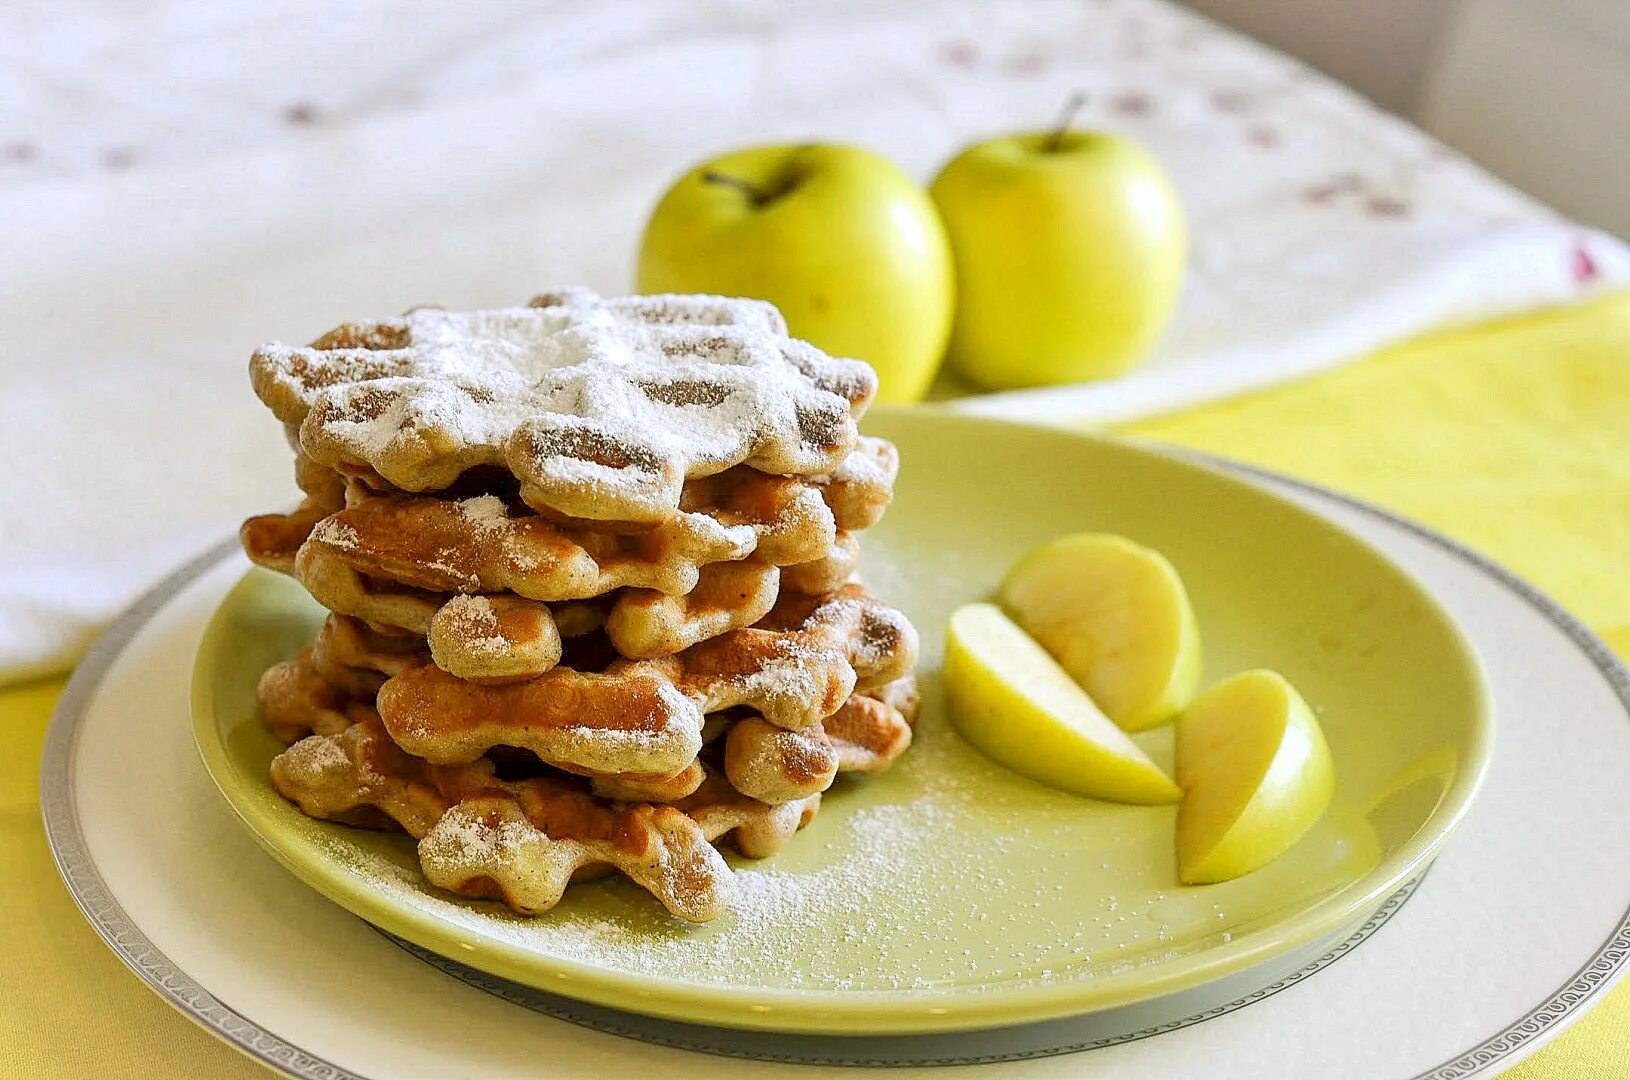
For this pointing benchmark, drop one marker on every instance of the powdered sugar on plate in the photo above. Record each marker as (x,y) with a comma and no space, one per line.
(925,876)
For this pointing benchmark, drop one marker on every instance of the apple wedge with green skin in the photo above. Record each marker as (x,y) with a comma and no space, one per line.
(1256,774)
(1115,615)
(1070,249)
(1015,704)
(847,245)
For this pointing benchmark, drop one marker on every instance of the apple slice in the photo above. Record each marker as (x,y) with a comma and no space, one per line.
(1116,616)
(1012,701)
(1255,772)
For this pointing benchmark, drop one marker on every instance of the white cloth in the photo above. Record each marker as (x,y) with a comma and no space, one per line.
(180,182)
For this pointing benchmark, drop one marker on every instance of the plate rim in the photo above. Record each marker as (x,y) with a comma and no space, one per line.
(83,880)
(878,1012)
(1604,967)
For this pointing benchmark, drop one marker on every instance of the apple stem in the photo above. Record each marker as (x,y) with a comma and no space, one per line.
(755,194)
(1060,129)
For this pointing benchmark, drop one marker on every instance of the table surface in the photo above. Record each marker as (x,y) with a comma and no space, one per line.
(1509,436)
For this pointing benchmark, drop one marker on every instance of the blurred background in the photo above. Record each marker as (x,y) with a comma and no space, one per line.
(182,181)
(1533,91)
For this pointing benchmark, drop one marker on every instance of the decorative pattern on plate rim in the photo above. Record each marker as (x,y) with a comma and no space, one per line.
(89,892)
(85,884)
(1607,965)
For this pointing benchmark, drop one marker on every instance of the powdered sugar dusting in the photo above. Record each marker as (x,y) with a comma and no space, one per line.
(945,873)
(467,844)
(475,623)
(335,533)
(593,403)
(925,876)
(316,754)
(486,514)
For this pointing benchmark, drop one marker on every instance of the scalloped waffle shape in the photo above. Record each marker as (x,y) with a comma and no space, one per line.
(397,560)
(600,408)
(647,715)
(591,573)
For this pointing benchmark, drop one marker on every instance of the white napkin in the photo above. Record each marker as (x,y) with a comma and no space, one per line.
(187,182)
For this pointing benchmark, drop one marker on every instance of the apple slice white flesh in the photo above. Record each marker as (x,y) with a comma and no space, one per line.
(1115,615)
(1255,772)
(1012,701)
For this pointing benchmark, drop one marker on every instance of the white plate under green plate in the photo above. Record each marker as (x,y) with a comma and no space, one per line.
(951,893)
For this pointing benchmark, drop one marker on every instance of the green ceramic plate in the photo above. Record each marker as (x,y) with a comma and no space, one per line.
(949,892)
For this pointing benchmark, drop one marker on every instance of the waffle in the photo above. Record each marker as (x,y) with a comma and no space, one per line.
(357,659)
(590,567)
(601,409)
(504,637)
(395,560)
(296,700)
(756,829)
(523,841)
(803,661)
(345,665)
(330,684)
(827,574)
(856,494)
(357,776)
(643,623)
(866,735)
(481,544)
(271,540)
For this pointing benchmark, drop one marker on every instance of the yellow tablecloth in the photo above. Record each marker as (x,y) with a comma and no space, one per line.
(1513,437)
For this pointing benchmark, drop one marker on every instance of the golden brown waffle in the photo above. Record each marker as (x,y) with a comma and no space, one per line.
(646,716)
(319,690)
(482,542)
(490,638)
(774,765)
(323,689)
(356,659)
(271,540)
(757,829)
(505,637)
(862,487)
(395,561)
(577,721)
(827,574)
(872,730)
(356,775)
(334,681)
(783,512)
(523,841)
(638,787)
(644,624)
(297,700)
(600,408)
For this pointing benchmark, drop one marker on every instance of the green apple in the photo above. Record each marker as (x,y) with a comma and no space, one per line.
(1012,701)
(1255,772)
(845,244)
(1070,248)
(1115,615)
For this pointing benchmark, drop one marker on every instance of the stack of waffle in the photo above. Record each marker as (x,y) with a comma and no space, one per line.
(590,568)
